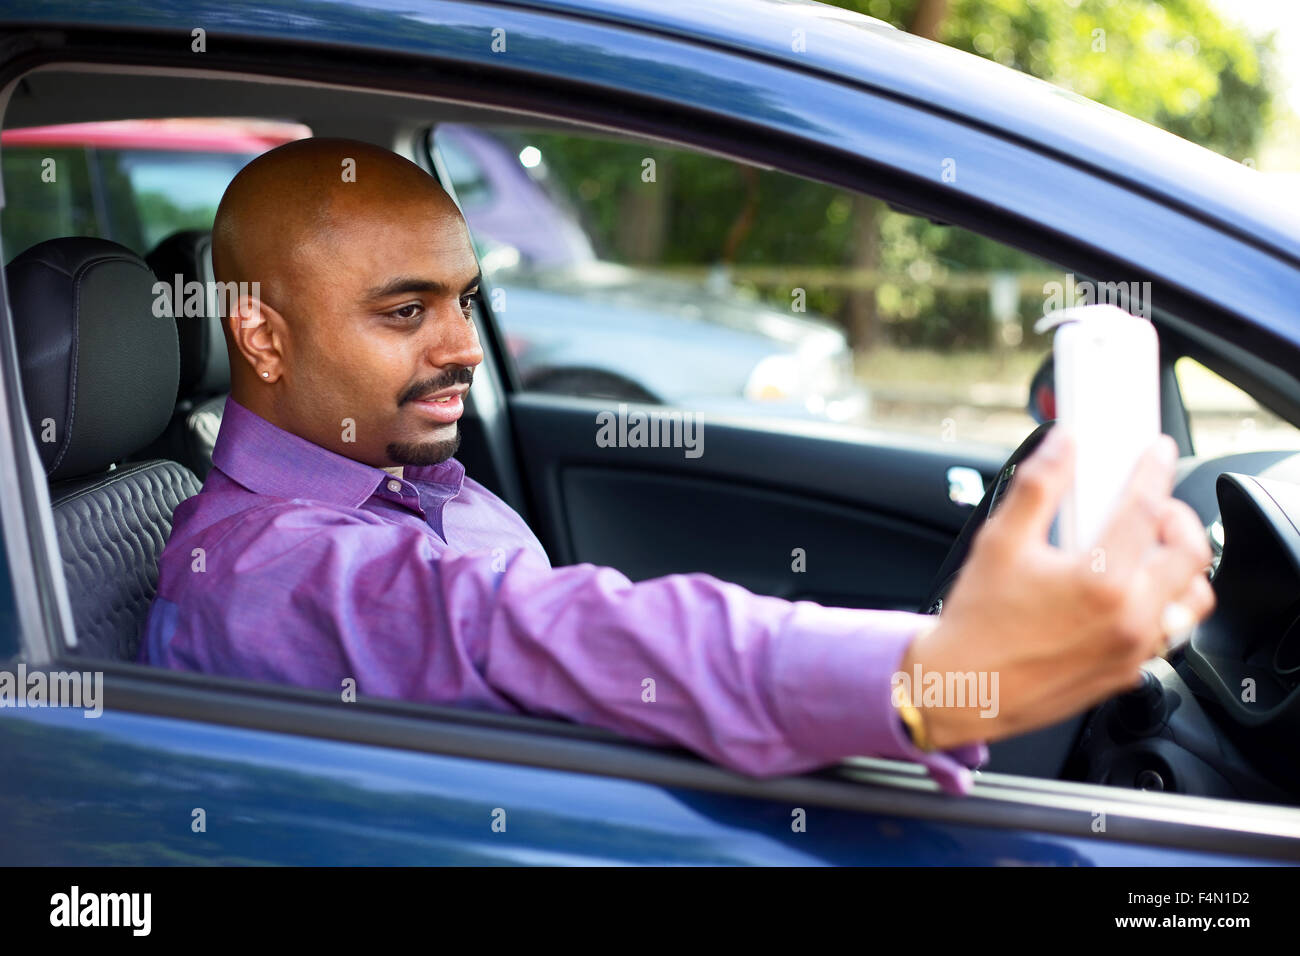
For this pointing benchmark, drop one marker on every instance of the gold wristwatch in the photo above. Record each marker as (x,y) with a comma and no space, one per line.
(909,713)
(914,724)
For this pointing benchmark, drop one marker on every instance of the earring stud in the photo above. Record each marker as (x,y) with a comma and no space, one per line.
(266,375)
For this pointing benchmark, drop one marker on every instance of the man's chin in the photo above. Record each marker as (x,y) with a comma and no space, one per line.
(424,452)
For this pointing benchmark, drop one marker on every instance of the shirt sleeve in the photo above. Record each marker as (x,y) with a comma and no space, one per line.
(757,684)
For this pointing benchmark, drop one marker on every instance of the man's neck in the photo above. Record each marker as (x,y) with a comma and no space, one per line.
(256,404)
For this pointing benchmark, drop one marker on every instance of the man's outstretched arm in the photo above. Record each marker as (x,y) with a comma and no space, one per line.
(313,596)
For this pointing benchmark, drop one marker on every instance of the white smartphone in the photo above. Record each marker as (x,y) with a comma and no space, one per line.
(1107,370)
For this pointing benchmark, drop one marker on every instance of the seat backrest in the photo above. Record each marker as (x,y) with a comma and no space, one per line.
(183,262)
(99,375)
(112,530)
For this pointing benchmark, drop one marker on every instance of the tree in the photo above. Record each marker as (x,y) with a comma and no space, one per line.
(1177,64)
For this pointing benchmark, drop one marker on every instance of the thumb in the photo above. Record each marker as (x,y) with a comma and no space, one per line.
(1037,487)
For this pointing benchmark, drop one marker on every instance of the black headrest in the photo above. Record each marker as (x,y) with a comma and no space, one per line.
(99,368)
(180,259)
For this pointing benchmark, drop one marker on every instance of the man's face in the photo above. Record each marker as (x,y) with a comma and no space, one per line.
(383,346)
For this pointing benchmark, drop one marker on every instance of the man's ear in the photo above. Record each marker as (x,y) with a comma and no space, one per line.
(257,331)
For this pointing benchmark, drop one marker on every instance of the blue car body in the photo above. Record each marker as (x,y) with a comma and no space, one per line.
(289,776)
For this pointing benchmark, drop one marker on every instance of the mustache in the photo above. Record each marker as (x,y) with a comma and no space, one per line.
(461,375)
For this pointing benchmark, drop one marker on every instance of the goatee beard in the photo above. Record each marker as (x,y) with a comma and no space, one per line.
(424,452)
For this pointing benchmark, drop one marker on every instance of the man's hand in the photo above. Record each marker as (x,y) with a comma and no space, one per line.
(1063,631)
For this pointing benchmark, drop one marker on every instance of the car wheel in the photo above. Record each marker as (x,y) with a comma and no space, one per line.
(588,383)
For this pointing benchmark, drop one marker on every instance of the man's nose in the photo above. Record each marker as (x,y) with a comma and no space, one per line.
(459,345)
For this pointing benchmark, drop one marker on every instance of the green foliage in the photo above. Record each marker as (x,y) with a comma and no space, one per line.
(41,209)
(1177,64)
(160,217)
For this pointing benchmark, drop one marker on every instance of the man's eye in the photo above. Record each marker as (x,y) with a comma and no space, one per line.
(407,313)
(467,305)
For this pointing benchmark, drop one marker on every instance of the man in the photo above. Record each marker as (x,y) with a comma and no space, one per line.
(337,543)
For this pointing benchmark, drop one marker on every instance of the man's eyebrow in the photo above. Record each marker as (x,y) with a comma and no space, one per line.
(402,284)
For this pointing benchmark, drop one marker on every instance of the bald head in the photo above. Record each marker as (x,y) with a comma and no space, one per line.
(291,208)
(361,269)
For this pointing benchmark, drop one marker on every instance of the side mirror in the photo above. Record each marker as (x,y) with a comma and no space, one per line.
(1042,392)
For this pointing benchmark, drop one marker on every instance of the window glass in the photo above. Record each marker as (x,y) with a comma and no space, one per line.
(1224,419)
(170,191)
(633,270)
(134,181)
(472,186)
(47,194)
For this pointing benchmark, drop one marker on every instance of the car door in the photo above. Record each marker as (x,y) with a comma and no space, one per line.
(277,774)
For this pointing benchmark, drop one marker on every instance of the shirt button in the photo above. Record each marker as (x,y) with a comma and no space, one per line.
(394,485)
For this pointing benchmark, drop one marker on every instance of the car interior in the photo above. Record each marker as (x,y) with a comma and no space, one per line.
(139,404)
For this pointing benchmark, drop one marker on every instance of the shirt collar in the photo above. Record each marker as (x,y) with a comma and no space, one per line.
(266,459)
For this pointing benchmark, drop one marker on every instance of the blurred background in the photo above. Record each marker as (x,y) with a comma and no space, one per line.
(938,320)
(743,290)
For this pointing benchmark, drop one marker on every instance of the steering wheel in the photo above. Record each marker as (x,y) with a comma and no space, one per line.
(1039,753)
(960,549)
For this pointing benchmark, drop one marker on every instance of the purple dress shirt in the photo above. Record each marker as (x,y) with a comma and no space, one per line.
(300,566)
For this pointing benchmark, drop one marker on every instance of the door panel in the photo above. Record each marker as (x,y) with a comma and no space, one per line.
(126,788)
(869,510)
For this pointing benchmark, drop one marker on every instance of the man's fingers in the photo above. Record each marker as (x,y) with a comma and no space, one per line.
(1135,525)
(1198,599)
(1037,487)
(1183,552)
(1181,527)
(1183,557)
